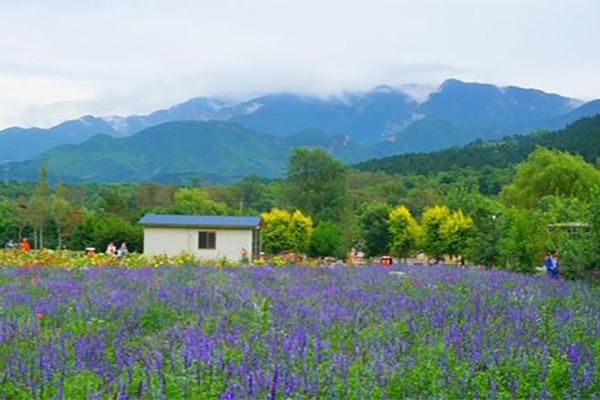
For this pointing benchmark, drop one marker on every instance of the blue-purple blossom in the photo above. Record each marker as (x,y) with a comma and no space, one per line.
(295,332)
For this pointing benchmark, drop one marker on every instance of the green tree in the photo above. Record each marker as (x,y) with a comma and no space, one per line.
(20,214)
(97,231)
(374,228)
(316,183)
(595,233)
(405,232)
(434,241)
(252,193)
(195,201)
(550,172)
(62,213)
(326,241)
(483,243)
(39,210)
(524,240)
(149,195)
(8,226)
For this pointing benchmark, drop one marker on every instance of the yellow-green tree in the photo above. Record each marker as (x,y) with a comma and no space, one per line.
(405,232)
(456,230)
(434,243)
(283,230)
(301,229)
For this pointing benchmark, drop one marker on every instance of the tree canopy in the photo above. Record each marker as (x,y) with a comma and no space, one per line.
(316,183)
(551,172)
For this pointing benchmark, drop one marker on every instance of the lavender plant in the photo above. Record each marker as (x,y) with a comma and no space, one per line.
(295,332)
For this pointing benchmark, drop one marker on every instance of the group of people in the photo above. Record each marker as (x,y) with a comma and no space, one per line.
(111,250)
(23,245)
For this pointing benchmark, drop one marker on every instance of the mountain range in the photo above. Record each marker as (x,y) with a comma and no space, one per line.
(203,151)
(255,136)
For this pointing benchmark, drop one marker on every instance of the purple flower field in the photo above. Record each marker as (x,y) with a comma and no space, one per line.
(297,333)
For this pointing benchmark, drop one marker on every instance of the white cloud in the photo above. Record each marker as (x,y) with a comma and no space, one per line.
(63,58)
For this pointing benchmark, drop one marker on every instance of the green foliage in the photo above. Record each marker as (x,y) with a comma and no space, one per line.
(374,228)
(446,232)
(300,231)
(595,228)
(434,243)
(62,214)
(550,172)
(252,193)
(582,137)
(483,243)
(284,231)
(316,183)
(525,240)
(38,210)
(326,241)
(456,231)
(405,232)
(96,230)
(195,201)
(275,233)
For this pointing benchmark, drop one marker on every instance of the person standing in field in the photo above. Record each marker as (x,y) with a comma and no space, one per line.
(10,245)
(25,246)
(552,264)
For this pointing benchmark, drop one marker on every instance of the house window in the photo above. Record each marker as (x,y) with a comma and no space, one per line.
(207,240)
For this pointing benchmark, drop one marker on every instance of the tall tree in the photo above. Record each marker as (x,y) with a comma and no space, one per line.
(434,243)
(405,232)
(456,231)
(195,201)
(550,172)
(374,228)
(251,193)
(525,240)
(326,241)
(20,214)
(301,230)
(316,183)
(39,209)
(62,213)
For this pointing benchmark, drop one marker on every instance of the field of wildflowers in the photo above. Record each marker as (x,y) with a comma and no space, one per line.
(295,332)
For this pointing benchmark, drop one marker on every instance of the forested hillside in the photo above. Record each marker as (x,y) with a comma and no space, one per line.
(180,152)
(581,137)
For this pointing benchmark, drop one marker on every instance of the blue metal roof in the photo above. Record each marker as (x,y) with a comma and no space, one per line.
(201,220)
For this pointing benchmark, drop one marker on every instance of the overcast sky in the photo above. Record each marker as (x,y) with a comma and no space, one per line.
(61,59)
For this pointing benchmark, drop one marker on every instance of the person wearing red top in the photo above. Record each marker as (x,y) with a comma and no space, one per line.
(25,246)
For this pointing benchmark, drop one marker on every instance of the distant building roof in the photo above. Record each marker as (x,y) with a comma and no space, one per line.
(214,221)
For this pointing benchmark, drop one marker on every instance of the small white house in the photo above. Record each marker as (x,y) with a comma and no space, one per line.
(206,236)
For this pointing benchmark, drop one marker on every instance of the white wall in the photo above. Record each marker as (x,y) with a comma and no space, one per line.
(172,241)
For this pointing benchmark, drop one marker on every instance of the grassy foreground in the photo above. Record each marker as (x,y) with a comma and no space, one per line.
(295,332)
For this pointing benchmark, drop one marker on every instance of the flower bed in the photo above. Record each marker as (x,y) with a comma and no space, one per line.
(294,332)
(77,259)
